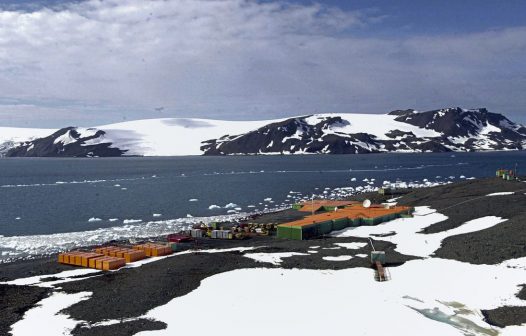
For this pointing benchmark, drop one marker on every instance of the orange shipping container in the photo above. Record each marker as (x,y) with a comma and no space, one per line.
(87,257)
(112,263)
(98,262)
(92,263)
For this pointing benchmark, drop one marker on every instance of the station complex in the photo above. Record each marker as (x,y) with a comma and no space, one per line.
(328,216)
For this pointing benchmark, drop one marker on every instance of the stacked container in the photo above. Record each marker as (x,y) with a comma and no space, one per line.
(129,255)
(154,250)
(92,260)
(197,233)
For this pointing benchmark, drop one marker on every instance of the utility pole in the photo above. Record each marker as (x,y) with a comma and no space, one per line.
(312,204)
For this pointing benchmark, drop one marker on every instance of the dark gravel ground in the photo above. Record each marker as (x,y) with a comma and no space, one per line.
(33,267)
(132,292)
(157,283)
(491,246)
(505,316)
(522,294)
(125,328)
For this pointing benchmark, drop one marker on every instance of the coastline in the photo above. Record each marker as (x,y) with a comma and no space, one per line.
(182,273)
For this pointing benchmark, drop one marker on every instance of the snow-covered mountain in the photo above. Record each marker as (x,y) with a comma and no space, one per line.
(451,129)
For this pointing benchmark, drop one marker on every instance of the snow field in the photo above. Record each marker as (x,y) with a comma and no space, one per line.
(407,237)
(352,302)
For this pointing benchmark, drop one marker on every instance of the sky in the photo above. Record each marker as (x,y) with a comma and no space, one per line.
(89,63)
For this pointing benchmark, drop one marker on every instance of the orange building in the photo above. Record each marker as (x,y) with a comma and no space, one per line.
(351,215)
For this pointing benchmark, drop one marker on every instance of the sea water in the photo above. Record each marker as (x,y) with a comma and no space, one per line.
(67,202)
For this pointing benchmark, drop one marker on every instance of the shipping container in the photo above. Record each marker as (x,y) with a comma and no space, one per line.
(197,233)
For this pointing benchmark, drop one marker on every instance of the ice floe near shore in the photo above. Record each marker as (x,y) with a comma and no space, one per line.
(16,247)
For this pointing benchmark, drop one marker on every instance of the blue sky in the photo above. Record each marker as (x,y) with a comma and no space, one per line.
(96,62)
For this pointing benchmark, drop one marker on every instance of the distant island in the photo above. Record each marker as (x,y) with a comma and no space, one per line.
(401,131)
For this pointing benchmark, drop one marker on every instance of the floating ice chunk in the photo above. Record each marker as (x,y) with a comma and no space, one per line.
(213,206)
(131,221)
(94,219)
(124,188)
(251,206)
(117,185)
(268,199)
(231,211)
(189,216)
(113,219)
(312,251)
(157,215)
(193,200)
(231,205)
(238,209)
(18,218)
(353,179)
(338,258)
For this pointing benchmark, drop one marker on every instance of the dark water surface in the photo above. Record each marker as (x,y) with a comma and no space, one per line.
(61,195)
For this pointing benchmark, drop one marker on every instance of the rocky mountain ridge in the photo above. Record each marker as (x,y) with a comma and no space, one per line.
(443,130)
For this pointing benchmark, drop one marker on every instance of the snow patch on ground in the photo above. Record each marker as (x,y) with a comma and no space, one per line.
(504,193)
(407,237)
(38,280)
(351,246)
(338,258)
(45,319)
(273,258)
(446,303)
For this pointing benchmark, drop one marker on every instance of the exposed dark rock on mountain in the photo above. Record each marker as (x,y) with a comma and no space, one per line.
(405,131)
(455,129)
(68,142)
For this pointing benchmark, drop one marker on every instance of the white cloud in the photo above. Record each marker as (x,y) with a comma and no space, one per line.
(244,59)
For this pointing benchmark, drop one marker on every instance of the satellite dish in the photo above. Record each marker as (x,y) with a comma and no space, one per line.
(367,203)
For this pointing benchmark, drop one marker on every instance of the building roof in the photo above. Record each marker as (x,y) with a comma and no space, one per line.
(350,212)
(310,206)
